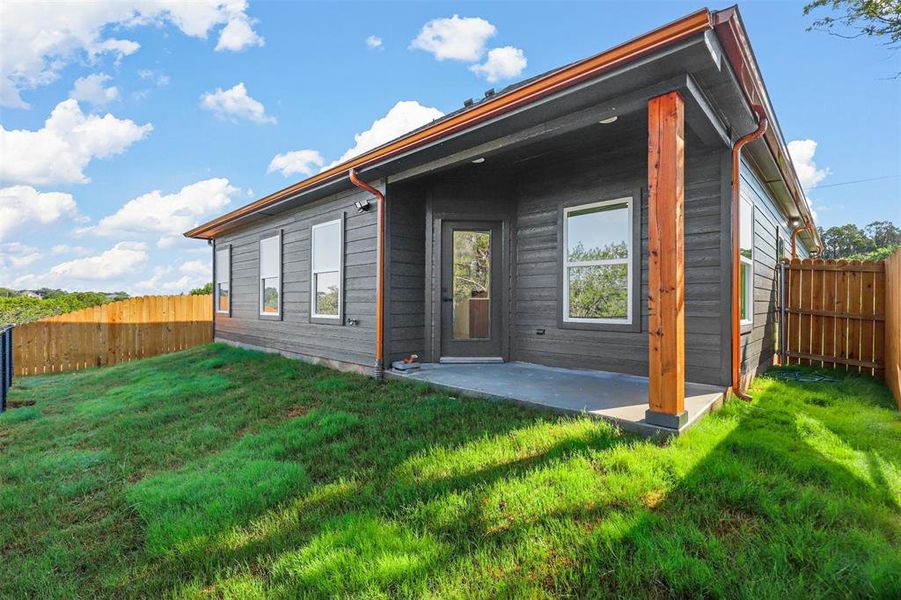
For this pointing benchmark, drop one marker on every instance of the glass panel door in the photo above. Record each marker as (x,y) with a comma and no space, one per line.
(472,285)
(471,296)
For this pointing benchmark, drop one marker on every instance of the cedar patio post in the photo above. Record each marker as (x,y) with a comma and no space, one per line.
(666,263)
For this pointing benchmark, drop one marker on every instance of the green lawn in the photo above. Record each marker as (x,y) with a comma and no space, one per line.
(219,472)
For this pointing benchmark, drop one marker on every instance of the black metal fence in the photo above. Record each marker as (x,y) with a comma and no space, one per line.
(6,363)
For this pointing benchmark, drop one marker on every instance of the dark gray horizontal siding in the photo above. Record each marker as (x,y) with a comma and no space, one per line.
(295,334)
(405,272)
(759,344)
(537,297)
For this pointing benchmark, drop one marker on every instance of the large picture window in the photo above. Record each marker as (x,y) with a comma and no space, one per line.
(223,280)
(327,278)
(746,260)
(597,262)
(271,275)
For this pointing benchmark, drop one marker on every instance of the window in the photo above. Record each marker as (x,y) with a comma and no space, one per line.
(597,262)
(270,275)
(327,266)
(746,263)
(223,280)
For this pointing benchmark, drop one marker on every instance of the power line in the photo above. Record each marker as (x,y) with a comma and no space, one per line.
(819,187)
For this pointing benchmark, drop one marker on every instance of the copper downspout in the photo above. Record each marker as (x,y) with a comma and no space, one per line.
(736,249)
(380,278)
(795,233)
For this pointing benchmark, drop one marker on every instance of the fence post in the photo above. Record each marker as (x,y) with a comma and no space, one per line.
(782,312)
(6,363)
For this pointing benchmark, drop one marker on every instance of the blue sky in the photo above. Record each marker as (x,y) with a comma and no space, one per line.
(91,201)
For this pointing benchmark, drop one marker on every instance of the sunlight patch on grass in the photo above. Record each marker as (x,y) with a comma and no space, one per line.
(182,508)
(355,554)
(520,445)
(284,520)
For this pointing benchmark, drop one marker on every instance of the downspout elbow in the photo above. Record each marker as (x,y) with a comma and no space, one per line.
(795,232)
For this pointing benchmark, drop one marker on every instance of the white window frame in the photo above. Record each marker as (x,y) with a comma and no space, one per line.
(278,237)
(627,200)
(219,279)
(313,271)
(745,261)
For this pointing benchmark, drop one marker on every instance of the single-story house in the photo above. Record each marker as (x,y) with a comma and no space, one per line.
(623,214)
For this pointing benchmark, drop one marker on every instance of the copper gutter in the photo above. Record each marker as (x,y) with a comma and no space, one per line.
(730,32)
(380,277)
(566,77)
(762,123)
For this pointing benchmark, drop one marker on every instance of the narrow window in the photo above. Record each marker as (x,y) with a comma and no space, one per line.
(270,275)
(223,279)
(746,264)
(327,270)
(597,262)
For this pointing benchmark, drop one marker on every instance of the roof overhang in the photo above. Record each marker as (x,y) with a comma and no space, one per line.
(573,89)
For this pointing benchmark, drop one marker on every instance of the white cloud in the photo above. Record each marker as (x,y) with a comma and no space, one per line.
(199,268)
(403,117)
(802,152)
(304,162)
(69,140)
(22,204)
(374,41)
(502,63)
(159,79)
(122,259)
(15,255)
(90,89)
(194,273)
(38,39)
(238,35)
(167,214)
(235,103)
(72,250)
(455,38)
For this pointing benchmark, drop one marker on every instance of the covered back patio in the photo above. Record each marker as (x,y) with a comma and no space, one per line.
(616,397)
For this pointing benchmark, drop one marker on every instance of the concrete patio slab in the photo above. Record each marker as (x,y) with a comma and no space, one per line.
(616,397)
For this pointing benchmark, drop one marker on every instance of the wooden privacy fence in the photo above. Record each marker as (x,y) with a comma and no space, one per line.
(112,333)
(845,315)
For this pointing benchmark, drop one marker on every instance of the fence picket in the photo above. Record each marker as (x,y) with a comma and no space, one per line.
(794,299)
(854,306)
(829,304)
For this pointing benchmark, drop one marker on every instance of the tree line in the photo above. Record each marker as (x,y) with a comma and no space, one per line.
(875,241)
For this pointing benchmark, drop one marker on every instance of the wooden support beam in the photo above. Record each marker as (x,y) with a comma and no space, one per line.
(666,263)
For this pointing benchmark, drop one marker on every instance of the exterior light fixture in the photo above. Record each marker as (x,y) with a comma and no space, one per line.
(608,120)
(362,205)
(479,160)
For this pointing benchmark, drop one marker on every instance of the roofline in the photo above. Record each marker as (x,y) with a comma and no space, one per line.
(730,31)
(728,28)
(697,22)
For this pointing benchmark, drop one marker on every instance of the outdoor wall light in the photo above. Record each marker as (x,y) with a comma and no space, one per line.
(479,160)
(608,120)
(362,205)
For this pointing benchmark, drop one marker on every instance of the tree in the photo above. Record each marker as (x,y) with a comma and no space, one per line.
(874,18)
(879,19)
(875,241)
(205,289)
(883,234)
